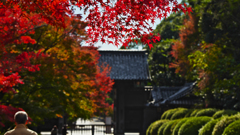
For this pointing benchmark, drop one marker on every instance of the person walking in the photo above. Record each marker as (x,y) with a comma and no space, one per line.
(21,119)
(54,130)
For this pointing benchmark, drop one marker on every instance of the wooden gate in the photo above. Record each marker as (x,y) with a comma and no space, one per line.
(90,129)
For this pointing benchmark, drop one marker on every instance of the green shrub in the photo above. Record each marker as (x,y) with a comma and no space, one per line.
(180,113)
(192,125)
(149,128)
(168,129)
(232,129)
(164,115)
(156,125)
(174,124)
(223,123)
(160,130)
(207,129)
(178,125)
(220,113)
(206,112)
(188,114)
(168,114)
(194,112)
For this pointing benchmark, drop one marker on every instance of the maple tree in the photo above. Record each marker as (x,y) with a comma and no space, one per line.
(69,81)
(183,47)
(107,21)
(57,86)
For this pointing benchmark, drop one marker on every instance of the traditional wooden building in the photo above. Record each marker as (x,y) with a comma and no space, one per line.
(135,104)
(129,69)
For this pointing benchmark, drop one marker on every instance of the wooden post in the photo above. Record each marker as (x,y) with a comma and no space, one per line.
(92,129)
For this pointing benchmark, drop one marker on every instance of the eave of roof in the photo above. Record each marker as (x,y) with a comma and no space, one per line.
(173,94)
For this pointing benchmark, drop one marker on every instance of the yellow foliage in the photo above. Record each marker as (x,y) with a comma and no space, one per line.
(67,94)
(14,51)
(75,85)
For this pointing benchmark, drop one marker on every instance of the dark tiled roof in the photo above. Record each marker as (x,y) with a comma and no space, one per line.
(126,64)
(181,92)
(171,95)
(162,93)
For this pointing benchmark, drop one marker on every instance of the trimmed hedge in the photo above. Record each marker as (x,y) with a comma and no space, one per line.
(149,128)
(232,129)
(206,112)
(194,112)
(178,125)
(207,129)
(180,113)
(167,114)
(164,115)
(192,125)
(174,124)
(170,113)
(156,126)
(220,113)
(161,129)
(223,123)
(168,129)
(189,113)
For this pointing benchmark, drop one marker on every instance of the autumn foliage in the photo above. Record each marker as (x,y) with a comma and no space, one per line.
(185,46)
(43,34)
(69,80)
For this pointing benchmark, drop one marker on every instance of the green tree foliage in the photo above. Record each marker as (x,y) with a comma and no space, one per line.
(219,24)
(208,51)
(159,59)
(211,64)
(169,27)
(159,56)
